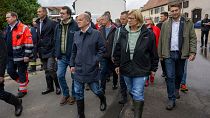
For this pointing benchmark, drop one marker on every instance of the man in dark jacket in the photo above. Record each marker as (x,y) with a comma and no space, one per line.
(108,32)
(34,33)
(64,34)
(205,26)
(46,48)
(123,88)
(6,96)
(87,51)
(163,18)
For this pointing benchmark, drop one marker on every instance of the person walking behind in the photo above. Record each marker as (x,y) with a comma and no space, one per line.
(205,27)
(108,32)
(184,78)
(33,30)
(123,88)
(64,34)
(46,47)
(177,43)
(19,45)
(136,57)
(6,96)
(151,26)
(163,18)
(88,47)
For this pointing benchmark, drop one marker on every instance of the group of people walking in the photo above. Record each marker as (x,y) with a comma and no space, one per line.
(129,52)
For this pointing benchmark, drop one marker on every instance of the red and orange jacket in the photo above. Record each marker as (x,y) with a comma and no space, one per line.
(22,43)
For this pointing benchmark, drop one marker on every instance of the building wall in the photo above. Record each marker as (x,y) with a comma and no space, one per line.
(155,15)
(98,7)
(193,4)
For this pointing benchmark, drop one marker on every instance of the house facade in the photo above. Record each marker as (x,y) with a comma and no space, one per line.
(193,9)
(98,7)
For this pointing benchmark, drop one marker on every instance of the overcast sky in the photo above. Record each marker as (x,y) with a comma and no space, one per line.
(130,3)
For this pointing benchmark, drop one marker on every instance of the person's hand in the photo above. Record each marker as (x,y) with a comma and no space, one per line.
(72,69)
(26,59)
(117,70)
(152,74)
(192,57)
(1,80)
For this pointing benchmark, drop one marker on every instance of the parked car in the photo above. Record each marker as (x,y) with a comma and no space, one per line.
(197,24)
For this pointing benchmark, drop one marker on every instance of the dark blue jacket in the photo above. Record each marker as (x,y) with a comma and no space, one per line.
(46,41)
(35,39)
(72,28)
(87,51)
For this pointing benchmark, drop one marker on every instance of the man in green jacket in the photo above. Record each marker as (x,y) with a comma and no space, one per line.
(176,44)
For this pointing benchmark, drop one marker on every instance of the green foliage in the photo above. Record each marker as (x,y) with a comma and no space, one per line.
(26,10)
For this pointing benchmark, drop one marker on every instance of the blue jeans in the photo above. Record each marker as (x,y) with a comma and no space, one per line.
(174,71)
(135,86)
(63,64)
(79,89)
(184,74)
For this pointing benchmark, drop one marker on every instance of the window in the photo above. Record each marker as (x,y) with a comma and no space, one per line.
(157,10)
(162,9)
(186,14)
(151,11)
(186,4)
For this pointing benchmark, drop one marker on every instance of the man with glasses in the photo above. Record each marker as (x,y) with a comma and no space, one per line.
(64,34)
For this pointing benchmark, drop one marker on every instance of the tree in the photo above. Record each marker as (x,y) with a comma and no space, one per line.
(26,10)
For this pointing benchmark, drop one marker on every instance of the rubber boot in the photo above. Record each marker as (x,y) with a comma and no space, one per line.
(103,104)
(138,108)
(80,108)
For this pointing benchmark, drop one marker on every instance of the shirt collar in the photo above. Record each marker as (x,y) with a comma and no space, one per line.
(12,26)
(88,31)
(176,21)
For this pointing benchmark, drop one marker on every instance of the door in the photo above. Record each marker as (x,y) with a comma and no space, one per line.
(196,15)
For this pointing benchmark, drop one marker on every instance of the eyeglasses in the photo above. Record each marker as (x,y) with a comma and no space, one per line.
(130,18)
(62,13)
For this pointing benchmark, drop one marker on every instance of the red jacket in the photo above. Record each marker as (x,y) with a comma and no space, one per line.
(156,31)
(22,43)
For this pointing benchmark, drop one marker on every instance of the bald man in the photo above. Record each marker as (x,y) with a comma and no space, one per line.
(88,47)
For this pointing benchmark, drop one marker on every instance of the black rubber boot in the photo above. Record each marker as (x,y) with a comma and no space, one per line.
(103,104)
(81,108)
(138,108)
(17,103)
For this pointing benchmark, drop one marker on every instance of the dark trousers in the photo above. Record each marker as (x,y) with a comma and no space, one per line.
(123,87)
(18,72)
(163,66)
(206,34)
(174,72)
(106,66)
(50,67)
(7,97)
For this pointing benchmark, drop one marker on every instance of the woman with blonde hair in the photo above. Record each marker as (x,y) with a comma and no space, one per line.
(135,57)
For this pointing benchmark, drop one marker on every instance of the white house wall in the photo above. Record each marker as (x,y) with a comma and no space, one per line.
(98,7)
(201,4)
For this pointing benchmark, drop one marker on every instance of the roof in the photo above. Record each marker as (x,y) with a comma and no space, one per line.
(154,3)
